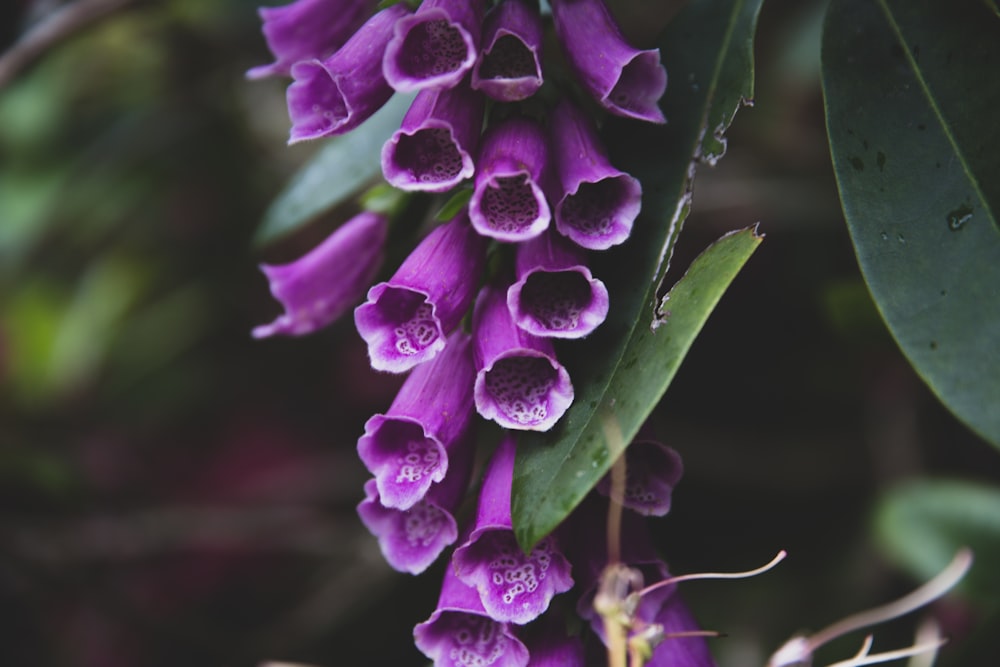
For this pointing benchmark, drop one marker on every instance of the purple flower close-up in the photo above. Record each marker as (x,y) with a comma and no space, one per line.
(409,447)
(513,586)
(597,203)
(433,149)
(519,383)
(307,29)
(553,648)
(652,470)
(436,46)
(624,80)
(459,633)
(323,284)
(555,294)
(406,319)
(509,67)
(333,96)
(508,202)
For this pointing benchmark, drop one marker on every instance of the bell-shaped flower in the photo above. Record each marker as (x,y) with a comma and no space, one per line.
(333,96)
(509,67)
(460,633)
(555,294)
(626,81)
(307,29)
(432,150)
(320,286)
(436,46)
(519,383)
(652,470)
(405,320)
(508,202)
(409,447)
(597,203)
(513,586)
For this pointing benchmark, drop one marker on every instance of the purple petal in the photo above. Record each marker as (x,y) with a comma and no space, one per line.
(554,649)
(624,80)
(598,203)
(519,383)
(307,29)
(513,586)
(555,294)
(406,319)
(435,47)
(408,448)
(508,203)
(320,286)
(674,616)
(652,470)
(509,67)
(433,149)
(333,96)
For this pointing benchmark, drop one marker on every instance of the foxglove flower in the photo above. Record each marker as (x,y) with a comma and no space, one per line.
(460,633)
(405,320)
(597,203)
(319,287)
(512,586)
(554,649)
(432,151)
(435,47)
(519,383)
(509,67)
(624,80)
(652,470)
(508,203)
(307,29)
(408,448)
(333,96)
(555,294)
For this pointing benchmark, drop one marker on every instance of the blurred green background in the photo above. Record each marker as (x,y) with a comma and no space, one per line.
(176,493)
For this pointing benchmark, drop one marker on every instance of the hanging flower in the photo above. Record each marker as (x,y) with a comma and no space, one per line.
(509,67)
(652,470)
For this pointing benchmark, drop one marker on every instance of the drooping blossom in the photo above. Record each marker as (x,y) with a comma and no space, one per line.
(513,586)
(406,319)
(324,283)
(555,294)
(409,447)
(332,96)
(508,202)
(519,383)
(652,470)
(624,80)
(307,29)
(509,67)
(597,203)
(433,149)
(436,46)
(460,633)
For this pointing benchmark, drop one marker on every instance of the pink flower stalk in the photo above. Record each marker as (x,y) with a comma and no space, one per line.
(509,67)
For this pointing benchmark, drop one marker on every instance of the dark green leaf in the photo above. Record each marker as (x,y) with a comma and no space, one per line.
(623,369)
(912,94)
(454,205)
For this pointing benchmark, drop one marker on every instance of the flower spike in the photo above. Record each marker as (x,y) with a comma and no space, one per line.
(509,67)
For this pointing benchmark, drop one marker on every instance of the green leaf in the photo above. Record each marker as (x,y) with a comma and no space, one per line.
(622,370)
(336,173)
(911,102)
(922,524)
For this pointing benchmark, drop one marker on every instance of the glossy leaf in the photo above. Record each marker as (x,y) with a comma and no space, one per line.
(622,370)
(911,101)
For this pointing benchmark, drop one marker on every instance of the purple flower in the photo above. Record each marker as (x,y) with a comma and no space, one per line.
(652,470)
(554,649)
(512,586)
(460,633)
(307,29)
(406,319)
(319,287)
(508,203)
(432,151)
(555,294)
(408,448)
(509,67)
(435,47)
(625,81)
(519,383)
(597,203)
(335,95)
